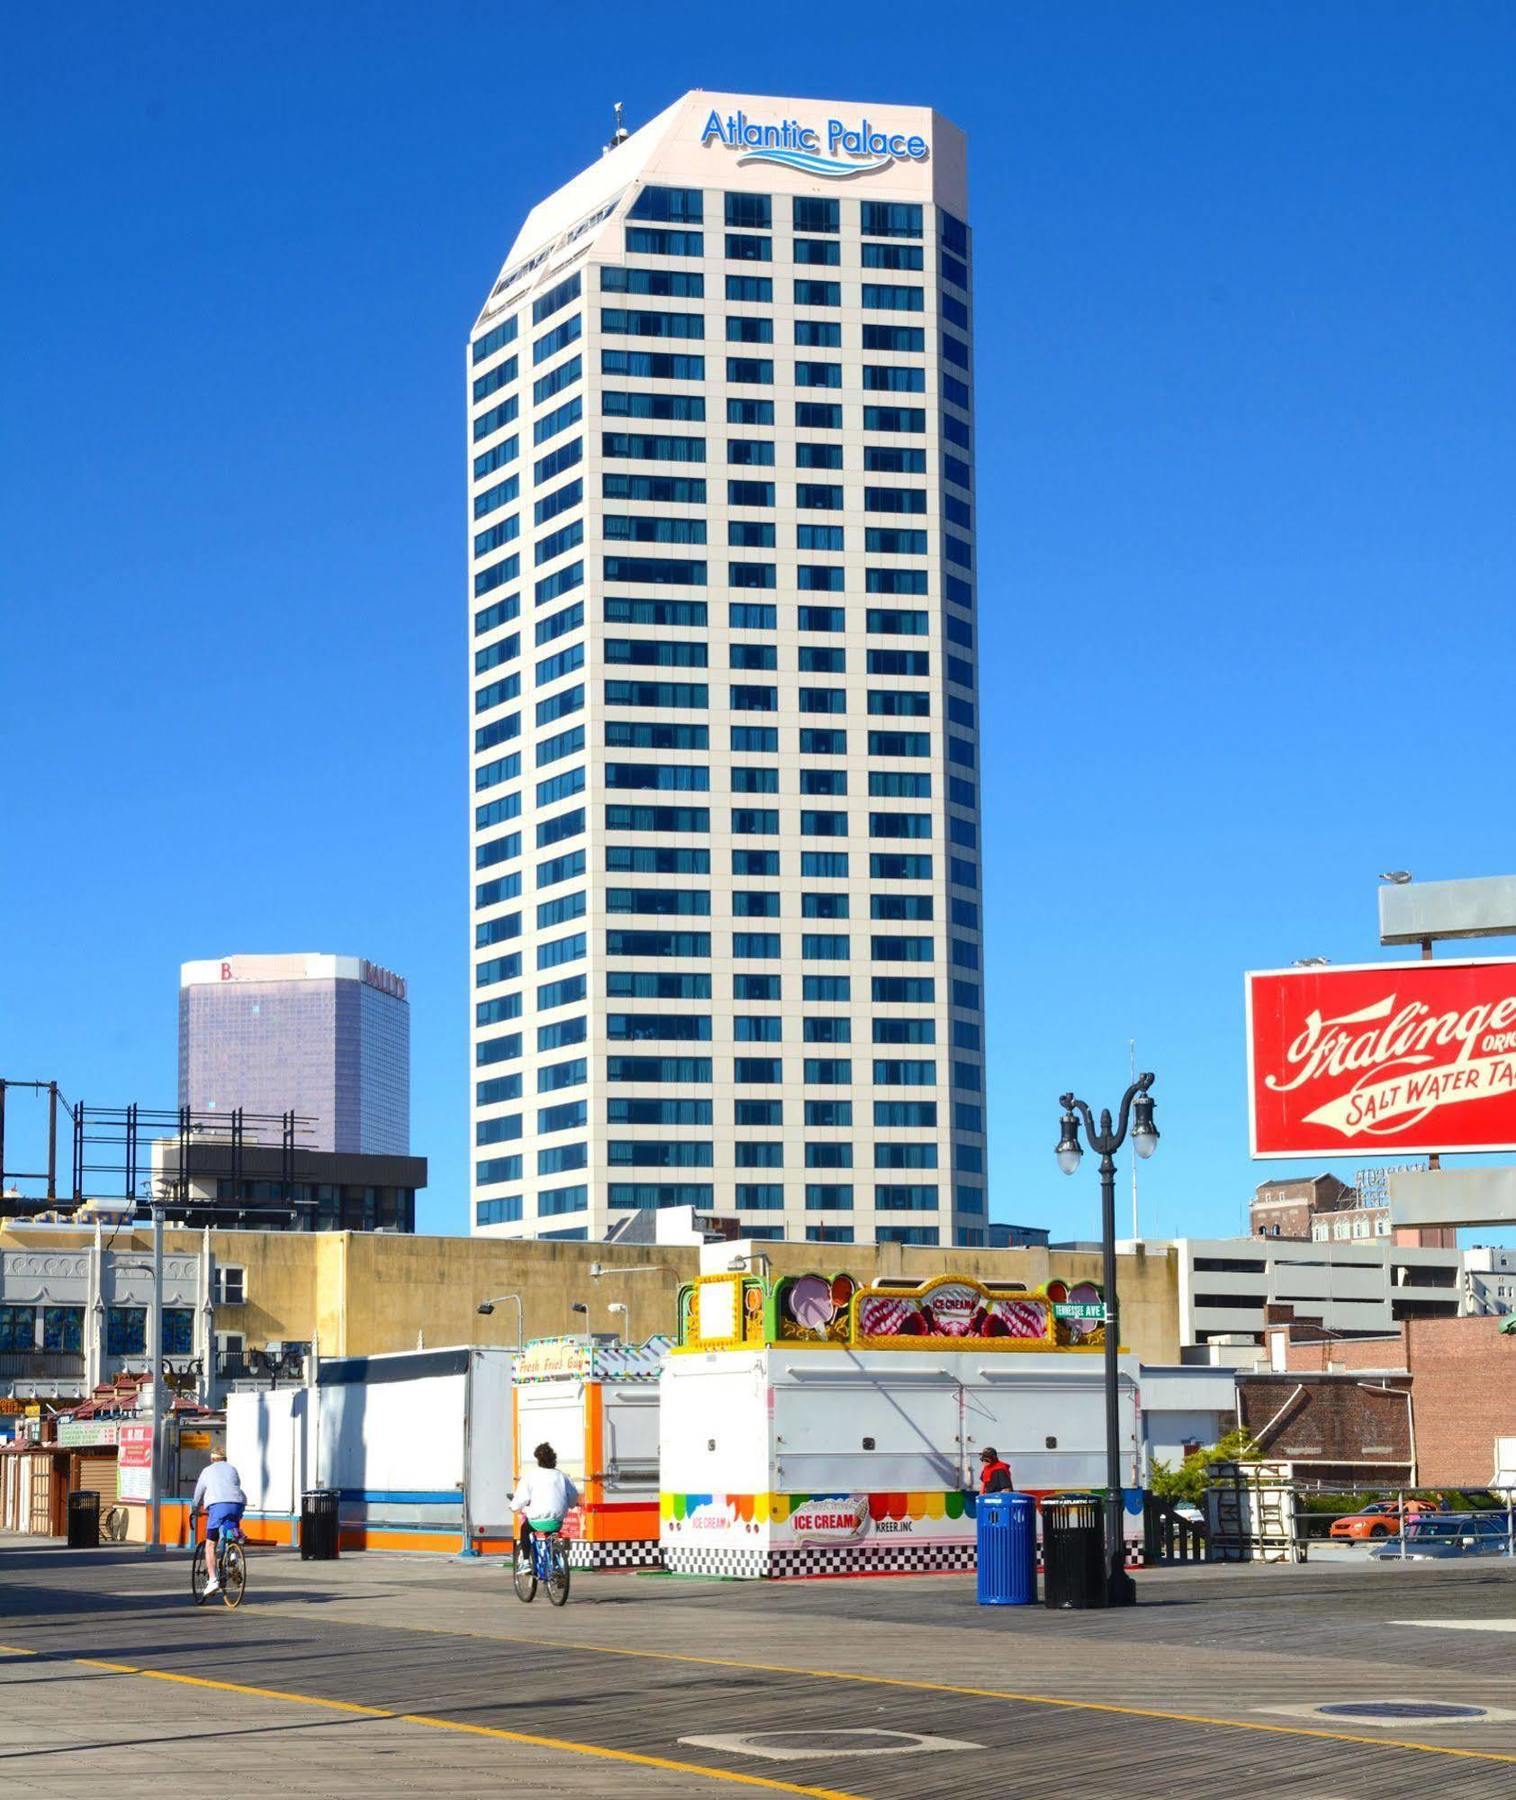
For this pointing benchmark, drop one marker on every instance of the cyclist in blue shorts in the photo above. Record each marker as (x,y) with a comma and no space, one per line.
(219,1491)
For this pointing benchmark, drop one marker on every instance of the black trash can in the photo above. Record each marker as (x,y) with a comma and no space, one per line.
(1073,1552)
(83,1519)
(318,1525)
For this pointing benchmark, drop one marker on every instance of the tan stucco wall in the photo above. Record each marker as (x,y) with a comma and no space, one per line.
(359,1293)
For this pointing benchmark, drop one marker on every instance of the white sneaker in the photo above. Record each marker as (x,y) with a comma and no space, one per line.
(213,1587)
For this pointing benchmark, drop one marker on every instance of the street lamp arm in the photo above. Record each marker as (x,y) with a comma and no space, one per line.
(1096,1138)
(1107,1138)
(1139,1086)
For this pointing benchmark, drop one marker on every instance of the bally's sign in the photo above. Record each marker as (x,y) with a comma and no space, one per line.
(386,980)
(1414,1057)
(838,149)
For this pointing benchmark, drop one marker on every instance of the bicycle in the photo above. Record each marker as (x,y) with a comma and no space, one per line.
(231,1569)
(548,1563)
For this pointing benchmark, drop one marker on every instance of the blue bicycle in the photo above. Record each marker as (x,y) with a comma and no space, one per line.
(546,1562)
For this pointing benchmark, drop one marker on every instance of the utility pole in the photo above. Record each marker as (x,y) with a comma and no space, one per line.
(155,1413)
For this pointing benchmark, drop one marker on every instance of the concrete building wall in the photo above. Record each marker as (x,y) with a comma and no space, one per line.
(1489,1279)
(1227,1286)
(365,1293)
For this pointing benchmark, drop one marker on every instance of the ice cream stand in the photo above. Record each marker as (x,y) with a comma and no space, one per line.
(812,1425)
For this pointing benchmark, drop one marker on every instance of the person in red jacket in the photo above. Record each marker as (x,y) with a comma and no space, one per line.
(994,1475)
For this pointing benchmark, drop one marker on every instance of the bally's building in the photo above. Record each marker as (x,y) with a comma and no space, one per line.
(724,774)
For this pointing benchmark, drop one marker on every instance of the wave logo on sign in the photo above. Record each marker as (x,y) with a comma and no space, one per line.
(863,149)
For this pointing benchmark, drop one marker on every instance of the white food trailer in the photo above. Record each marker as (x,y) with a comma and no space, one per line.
(799,1437)
(418,1444)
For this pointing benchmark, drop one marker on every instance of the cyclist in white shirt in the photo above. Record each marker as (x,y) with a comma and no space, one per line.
(219,1490)
(543,1497)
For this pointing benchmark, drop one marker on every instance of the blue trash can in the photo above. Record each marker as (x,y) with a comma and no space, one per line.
(1007,1558)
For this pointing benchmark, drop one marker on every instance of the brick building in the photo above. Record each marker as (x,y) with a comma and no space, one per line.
(1461,1374)
(1321,1208)
(1287,1208)
(1333,1427)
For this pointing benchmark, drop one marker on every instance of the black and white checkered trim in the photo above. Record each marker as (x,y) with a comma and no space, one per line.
(617,1553)
(705,1559)
(924,1558)
(798,1560)
(792,1561)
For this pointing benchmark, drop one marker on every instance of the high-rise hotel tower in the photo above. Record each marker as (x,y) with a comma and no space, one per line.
(725,761)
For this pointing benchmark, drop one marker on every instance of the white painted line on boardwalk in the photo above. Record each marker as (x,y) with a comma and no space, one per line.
(1459,1624)
(791,1746)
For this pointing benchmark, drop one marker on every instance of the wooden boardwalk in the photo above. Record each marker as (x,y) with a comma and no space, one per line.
(381,1675)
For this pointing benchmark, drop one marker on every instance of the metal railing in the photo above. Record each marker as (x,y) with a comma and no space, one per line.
(260,1365)
(1362,1519)
(41,1365)
(1168,1536)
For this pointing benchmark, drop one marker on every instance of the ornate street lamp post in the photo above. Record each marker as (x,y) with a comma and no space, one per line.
(1136,1104)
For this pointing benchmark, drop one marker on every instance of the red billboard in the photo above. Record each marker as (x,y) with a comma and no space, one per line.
(1405,1057)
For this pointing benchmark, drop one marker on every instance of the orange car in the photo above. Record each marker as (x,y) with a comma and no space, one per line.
(1379,1519)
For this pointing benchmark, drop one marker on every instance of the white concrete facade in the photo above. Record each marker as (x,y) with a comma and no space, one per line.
(715,809)
(1184,1406)
(75,1314)
(1489,1279)
(1364,1288)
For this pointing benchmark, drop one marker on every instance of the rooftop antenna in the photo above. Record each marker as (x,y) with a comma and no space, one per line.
(620,134)
(1136,1228)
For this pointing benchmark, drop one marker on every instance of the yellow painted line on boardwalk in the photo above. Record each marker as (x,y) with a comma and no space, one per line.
(637,1758)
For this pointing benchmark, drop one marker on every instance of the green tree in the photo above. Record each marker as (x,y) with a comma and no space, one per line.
(1188,1481)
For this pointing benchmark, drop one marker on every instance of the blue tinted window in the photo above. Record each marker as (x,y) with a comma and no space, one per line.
(494,340)
(810,213)
(559,338)
(636,323)
(643,241)
(891,218)
(750,212)
(564,376)
(680,206)
(555,298)
(566,456)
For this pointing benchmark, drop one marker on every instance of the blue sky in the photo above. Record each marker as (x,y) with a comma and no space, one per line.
(1246,387)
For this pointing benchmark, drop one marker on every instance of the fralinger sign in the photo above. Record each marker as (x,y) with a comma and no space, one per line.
(1416,1057)
(850,149)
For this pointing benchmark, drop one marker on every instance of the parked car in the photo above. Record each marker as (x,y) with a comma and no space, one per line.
(1189,1512)
(1437,1535)
(1379,1519)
